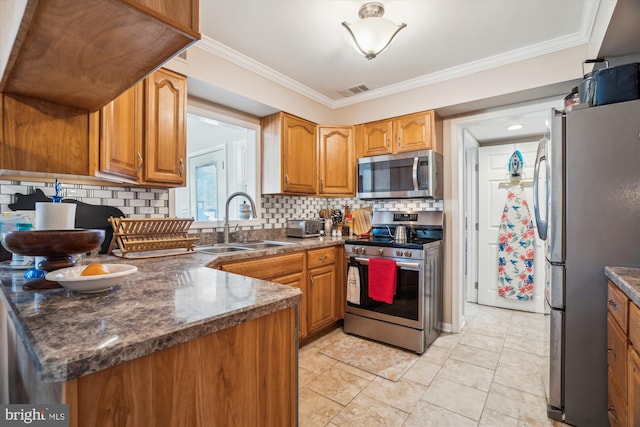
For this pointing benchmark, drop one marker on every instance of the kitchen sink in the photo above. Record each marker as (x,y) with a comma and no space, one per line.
(263,245)
(236,247)
(219,249)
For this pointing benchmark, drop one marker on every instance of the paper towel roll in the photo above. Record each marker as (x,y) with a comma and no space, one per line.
(55,216)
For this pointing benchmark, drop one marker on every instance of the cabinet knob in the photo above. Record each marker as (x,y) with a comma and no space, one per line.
(612,413)
(612,304)
(613,353)
(322,258)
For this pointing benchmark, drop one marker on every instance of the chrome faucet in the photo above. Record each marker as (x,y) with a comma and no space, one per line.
(226,212)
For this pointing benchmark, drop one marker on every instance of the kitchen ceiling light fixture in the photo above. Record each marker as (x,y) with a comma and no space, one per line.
(372,33)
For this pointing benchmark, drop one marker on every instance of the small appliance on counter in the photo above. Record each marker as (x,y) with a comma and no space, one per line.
(304,227)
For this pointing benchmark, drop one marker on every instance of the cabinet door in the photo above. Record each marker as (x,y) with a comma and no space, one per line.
(634,387)
(376,138)
(298,281)
(299,156)
(267,268)
(165,139)
(414,132)
(617,355)
(322,297)
(336,149)
(121,127)
(41,136)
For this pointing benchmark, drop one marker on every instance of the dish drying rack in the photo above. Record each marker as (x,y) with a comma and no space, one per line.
(168,235)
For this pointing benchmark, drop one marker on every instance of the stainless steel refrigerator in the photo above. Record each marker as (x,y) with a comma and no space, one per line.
(589,215)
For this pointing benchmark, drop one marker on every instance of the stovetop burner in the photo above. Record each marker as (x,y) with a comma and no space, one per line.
(387,242)
(422,228)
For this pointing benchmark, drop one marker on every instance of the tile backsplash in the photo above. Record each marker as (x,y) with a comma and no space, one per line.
(136,202)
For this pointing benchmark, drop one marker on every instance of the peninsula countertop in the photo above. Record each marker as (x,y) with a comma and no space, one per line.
(627,279)
(170,300)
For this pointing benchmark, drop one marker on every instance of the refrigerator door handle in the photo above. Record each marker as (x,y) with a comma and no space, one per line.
(541,156)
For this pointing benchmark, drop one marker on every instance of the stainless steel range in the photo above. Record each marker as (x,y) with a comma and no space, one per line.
(414,241)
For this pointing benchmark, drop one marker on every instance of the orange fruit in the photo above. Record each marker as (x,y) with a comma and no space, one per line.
(94,270)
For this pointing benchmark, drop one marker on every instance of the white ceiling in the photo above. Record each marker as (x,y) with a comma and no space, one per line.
(303,41)
(301,44)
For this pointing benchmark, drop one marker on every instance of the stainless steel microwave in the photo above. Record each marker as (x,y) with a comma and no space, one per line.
(415,174)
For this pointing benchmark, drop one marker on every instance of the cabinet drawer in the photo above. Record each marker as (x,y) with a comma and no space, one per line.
(268,267)
(617,306)
(634,325)
(617,356)
(616,407)
(318,257)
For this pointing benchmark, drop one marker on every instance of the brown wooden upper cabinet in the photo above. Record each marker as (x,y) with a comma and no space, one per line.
(143,132)
(289,162)
(337,164)
(121,135)
(40,136)
(50,58)
(419,131)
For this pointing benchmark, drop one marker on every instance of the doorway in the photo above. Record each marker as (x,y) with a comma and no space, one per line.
(456,194)
(494,186)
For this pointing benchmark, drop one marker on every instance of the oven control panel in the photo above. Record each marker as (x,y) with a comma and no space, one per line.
(383,252)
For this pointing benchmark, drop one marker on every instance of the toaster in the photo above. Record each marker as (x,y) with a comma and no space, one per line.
(304,227)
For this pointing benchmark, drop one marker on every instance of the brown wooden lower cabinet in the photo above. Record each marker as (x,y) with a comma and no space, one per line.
(623,359)
(245,375)
(317,272)
(633,366)
(221,379)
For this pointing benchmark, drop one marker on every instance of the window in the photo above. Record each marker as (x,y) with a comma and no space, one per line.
(222,158)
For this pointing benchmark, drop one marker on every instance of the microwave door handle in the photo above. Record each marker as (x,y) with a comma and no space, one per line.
(540,157)
(415,174)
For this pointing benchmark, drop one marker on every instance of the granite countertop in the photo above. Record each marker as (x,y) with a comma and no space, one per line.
(170,300)
(627,279)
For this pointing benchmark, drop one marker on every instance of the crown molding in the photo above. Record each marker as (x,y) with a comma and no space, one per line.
(581,37)
(216,48)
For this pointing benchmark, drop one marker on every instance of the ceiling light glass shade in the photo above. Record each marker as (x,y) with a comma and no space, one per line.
(372,34)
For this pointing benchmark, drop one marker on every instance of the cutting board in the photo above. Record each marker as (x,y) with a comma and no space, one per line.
(362,221)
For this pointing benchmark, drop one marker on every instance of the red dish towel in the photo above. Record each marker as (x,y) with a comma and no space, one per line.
(382,279)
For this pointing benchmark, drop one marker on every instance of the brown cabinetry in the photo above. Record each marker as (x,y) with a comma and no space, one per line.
(377,137)
(633,366)
(617,306)
(121,135)
(285,269)
(243,375)
(289,155)
(84,54)
(322,290)
(623,359)
(165,128)
(139,138)
(143,134)
(318,274)
(419,131)
(40,136)
(336,160)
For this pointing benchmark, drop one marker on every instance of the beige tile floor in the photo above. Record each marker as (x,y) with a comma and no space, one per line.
(488,375)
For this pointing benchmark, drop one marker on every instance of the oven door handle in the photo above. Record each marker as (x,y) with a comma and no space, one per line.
(414,265)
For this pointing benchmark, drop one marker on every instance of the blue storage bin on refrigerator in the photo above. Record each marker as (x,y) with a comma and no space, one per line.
(617,84)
